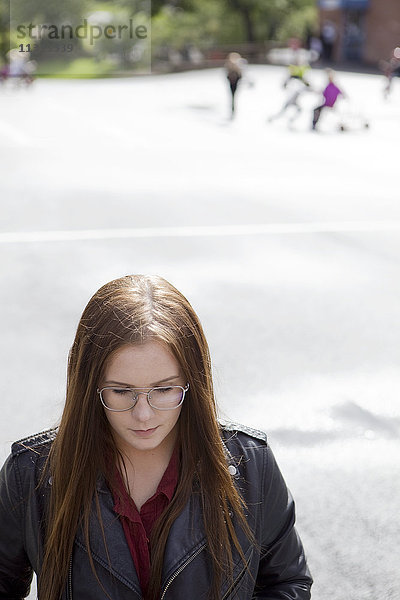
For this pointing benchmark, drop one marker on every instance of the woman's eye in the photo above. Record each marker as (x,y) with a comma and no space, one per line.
(120,391)
(164,390)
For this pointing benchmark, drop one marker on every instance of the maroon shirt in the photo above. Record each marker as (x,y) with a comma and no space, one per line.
(137,525)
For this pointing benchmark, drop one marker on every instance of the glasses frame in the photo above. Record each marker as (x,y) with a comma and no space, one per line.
(137,392)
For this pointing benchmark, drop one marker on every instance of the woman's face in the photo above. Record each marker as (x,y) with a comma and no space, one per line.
(143,428)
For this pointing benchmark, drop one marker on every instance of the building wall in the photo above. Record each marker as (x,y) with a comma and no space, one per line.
(381,30)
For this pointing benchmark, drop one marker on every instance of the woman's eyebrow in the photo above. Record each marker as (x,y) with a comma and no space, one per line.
(135,386)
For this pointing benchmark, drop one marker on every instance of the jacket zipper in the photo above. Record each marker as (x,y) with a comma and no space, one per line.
(170,581)
(234,584)
(70,580)
(175,575)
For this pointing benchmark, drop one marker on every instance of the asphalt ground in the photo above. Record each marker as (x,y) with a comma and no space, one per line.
(285,241)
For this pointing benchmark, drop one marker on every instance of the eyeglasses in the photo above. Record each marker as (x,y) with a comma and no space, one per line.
(119,399)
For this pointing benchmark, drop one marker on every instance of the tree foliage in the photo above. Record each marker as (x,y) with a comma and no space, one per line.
(181,23)
(230,21)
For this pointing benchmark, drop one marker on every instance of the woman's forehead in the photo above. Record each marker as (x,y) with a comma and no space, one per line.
(142,364)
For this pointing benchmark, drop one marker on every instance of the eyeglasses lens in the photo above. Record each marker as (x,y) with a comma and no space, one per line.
(163,398)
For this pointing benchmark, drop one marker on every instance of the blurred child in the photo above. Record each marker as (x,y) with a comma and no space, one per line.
(233,67)
(331,94)
(297,84)
(390,70)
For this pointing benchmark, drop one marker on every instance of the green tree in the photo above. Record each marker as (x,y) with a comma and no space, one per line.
(255,20)
(201,26)
(247,9)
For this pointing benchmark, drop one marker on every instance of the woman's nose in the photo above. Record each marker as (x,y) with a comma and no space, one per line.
(142,409)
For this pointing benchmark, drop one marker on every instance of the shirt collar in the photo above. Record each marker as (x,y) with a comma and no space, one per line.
(167,485)
(169,480)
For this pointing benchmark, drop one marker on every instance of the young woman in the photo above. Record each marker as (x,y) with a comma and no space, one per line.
(140,493)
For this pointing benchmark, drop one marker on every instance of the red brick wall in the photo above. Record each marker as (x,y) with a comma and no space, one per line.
(382,30)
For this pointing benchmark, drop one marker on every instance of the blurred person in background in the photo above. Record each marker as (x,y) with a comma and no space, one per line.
(233,68)
(141,492)
(4,73)
(20,69)
(330,94)
(314,43)
(296,83)
(390,70)
(328,40)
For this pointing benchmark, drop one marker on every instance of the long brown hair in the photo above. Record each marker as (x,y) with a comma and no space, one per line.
(132,310)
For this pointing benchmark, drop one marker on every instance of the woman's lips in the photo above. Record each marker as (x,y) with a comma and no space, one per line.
(144,433)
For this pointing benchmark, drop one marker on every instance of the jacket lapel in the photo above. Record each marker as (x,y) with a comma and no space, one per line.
(186,537)
(187,540)
(113,555)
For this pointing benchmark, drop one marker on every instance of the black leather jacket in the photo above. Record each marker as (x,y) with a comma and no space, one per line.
(276,568)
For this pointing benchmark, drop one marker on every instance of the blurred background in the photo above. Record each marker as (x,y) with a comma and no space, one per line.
(176,138)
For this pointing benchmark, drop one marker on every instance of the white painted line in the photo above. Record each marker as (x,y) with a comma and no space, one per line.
(18,237)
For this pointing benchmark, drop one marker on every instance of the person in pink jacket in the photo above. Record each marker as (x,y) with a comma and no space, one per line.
(331,94)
